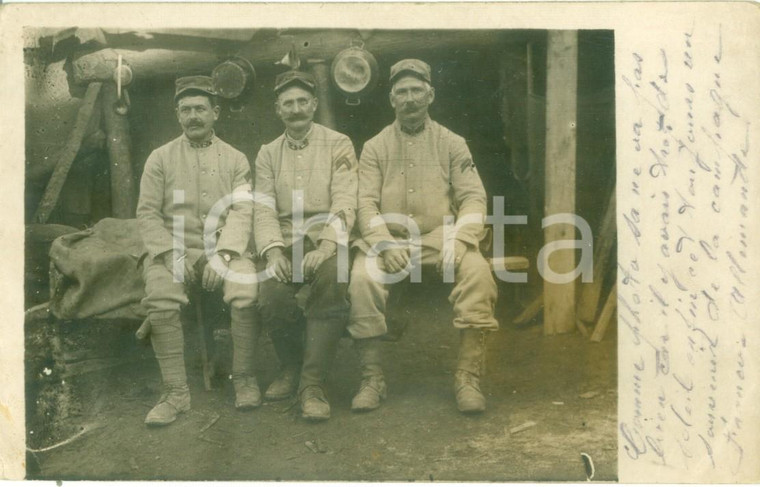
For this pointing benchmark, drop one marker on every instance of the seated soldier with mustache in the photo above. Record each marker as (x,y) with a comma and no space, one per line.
(307,171)
(181,182)
(412,175)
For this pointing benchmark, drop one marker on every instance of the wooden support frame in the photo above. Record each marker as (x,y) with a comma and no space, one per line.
(118,141)
(325,112)
(561,119)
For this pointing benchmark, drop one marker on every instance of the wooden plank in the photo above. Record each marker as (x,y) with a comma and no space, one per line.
(118,140)
(606,317)
(67,156)
(561,110)
(510,263)
(603,245)
(325,110)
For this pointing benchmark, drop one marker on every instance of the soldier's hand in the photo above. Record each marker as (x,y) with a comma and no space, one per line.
(279,264)
(395,260)
(451,257)
(211,279)
(312,261)
(189,272)
(169,262)
(168,259)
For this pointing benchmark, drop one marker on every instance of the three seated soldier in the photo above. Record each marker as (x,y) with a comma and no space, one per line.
(410,178)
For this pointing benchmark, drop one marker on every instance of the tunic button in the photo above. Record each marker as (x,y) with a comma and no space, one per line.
(203,172)
(411,190)
(411,164)
(204,194)
(203,216)
(299,177)
(299,156)
(411,215)
(411,143)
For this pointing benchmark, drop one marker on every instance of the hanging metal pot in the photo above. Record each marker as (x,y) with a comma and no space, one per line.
(354,73)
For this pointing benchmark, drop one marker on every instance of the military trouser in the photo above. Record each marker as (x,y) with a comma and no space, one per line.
(323,320)
(473,294)
(164,299)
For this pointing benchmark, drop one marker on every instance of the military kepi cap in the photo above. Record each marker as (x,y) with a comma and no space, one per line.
(203,84)
(413,67)
(290,77)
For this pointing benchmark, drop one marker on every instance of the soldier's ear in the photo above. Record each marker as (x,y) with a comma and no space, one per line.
(432,94)
(390,98)
(316,102)
(217,111)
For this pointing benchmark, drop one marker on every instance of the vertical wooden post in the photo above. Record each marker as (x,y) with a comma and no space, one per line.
(561,101)
(118,139)
(321,72)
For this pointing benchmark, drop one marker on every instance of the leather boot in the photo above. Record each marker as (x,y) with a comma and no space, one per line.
(314,404)
(168,345)
(470,366)
(244,331)
(173,401)
(288,345)
(322,337)
(372,389)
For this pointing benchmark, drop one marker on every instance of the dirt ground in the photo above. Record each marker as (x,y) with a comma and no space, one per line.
(561,390)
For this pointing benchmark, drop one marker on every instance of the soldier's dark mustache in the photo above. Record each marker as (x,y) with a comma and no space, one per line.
(294,118)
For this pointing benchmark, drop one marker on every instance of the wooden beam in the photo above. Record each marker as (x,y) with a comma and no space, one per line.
(325,44)
(69,153)
(325,110)
(603,245)
(561,101)
(268,49)
(151,63)
(118,140)
(606,317)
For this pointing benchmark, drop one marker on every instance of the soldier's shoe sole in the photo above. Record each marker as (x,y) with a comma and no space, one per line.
(159,423)
(472,411)
(247,407)
(278,397)
(314,419)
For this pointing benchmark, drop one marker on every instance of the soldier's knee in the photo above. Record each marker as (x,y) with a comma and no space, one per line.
(243,301)
(277,302)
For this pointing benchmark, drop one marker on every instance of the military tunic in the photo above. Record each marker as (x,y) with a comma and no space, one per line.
(182,179)
(425,176)
(320,174)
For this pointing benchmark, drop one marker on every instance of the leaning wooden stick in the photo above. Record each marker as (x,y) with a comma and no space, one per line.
(606,317)
(69,153)
(604,243)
